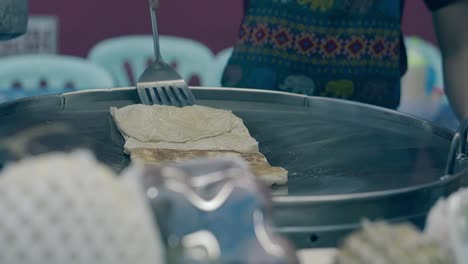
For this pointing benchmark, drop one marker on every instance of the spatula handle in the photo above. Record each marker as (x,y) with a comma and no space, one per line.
(154,24)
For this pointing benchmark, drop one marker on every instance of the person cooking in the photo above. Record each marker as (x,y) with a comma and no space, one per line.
(348,49)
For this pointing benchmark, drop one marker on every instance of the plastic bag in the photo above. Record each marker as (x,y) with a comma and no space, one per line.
(213,211)
(447,223)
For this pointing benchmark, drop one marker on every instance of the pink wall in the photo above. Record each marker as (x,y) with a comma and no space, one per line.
(213,22)
(417,20)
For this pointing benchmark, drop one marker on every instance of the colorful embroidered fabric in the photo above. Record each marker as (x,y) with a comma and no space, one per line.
(349,49)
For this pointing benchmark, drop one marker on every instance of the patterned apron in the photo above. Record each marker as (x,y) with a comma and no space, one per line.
(348,49)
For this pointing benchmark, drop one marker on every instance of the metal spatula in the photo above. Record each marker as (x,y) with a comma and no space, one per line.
(160,83)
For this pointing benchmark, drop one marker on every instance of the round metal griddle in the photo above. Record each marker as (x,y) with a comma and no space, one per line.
(346,161)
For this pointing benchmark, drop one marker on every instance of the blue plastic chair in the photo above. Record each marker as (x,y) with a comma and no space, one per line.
(421,52)
(422,92)
(217,67)
(29,73)
(433,58)
(126,57)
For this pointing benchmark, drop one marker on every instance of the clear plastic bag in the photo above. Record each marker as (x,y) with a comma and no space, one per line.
(447,223)
(213,211)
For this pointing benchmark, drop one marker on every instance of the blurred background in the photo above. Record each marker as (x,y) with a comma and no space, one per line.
(113,36)
(82,24)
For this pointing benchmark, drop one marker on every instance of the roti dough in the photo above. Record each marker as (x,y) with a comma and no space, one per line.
(187,128)
(257,162)
(159,134)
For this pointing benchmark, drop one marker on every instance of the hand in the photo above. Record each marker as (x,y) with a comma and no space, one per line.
(155,4)
(453,41)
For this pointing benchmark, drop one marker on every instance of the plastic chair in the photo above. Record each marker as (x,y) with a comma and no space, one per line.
(127,57)
(217,67)
(421,51)
(422,92)
(443,115)
(30,73)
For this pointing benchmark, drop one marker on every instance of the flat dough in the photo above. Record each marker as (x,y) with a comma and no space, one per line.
(156,123)
(223,130)
(159,134)
(257,162)
(229,141)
